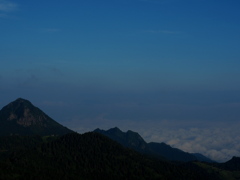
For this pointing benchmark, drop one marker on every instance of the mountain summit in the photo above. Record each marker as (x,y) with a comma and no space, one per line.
(23,118)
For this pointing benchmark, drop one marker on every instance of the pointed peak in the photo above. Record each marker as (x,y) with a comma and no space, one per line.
(21,100)
(98,130)
(234,159)
(115,129)
(26,118)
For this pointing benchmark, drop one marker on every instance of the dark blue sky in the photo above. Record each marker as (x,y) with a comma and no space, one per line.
(106,63)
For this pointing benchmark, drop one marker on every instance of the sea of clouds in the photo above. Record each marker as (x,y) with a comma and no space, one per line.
(218,141)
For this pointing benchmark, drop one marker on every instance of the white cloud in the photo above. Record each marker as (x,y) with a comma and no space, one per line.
(7,6)
(218,141)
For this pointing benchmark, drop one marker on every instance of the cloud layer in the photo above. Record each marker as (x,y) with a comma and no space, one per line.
(218,141)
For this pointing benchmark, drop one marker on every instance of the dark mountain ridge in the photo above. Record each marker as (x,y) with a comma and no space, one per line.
(21,117)
(134,141)
(129,139)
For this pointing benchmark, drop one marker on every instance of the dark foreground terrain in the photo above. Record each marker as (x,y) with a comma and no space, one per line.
(94,156)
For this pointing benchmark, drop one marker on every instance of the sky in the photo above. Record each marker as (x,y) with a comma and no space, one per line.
(168,69)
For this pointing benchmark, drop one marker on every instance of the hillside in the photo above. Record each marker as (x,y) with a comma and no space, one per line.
(90,156)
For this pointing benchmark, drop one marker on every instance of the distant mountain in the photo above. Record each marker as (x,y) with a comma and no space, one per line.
(21,117)
(129,139)
(134,141)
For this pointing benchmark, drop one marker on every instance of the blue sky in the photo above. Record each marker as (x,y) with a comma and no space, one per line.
(107,63)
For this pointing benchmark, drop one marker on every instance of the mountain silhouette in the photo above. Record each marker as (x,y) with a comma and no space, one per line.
(21,117)
(28,151)
(129,139)
(134,141)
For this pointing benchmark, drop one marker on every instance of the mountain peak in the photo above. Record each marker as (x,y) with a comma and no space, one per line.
(234,160)
(128,139)
(23,112)
(21,116)
(21,100)
(115,129)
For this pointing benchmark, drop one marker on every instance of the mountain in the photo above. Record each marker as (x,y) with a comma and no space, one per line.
(134,141)
(129,139)
(29,151)
(90,156)
(21,117)
(231,165)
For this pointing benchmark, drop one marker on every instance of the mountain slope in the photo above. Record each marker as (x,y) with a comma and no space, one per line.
(172,154)
(23,118)
(134,141)
(203,158)
(90,156)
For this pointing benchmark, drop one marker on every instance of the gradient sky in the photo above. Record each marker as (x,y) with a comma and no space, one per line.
(139,64)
